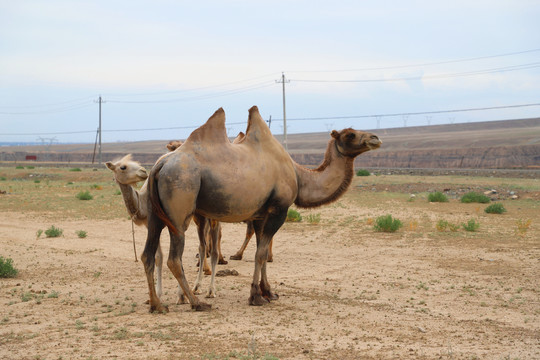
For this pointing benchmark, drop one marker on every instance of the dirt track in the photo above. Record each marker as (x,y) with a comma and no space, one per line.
(346,292)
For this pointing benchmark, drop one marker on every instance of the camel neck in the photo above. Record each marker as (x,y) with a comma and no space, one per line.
(326,183)
(131,199)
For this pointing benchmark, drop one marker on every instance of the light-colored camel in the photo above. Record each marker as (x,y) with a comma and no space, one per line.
(255,180)
(127,174)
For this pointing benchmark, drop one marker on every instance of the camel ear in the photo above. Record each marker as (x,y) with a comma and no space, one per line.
(334,134)
(110,165)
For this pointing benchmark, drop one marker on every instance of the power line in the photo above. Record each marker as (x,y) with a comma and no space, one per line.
(289,119)
(413,113)
(422,64)
(427,77)
(198,97)
(49,111)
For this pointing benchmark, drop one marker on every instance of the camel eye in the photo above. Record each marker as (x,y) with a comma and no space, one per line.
(123,167)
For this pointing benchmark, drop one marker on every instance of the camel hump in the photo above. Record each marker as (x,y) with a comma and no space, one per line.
(213,131)
(239,138)
(257,130)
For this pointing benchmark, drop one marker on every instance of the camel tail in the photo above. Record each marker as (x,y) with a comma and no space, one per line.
(155,200)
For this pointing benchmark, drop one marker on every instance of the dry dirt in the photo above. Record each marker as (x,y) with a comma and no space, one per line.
(346,291)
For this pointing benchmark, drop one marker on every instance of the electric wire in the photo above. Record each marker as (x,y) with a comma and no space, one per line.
(289,119)
(420,64)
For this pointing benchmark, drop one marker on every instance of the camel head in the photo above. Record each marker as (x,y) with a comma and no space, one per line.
(173,145)
(127,171)
(350,142)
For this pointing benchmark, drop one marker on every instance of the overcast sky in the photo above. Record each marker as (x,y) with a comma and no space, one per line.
(170,64)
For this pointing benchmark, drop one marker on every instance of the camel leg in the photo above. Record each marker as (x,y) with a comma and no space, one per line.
(221,260)
(202,231)
(159,267)
(270,253)
(264,230)
(216,235)
(148,258)
(249,233)
(175,265)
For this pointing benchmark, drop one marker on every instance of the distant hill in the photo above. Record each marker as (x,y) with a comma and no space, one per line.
(490,144)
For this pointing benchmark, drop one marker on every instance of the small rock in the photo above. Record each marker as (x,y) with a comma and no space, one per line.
(514,197)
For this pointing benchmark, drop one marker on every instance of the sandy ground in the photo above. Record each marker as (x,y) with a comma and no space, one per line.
(346,292)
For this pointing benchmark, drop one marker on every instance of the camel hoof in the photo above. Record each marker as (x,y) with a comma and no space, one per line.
(201,307)
(181,300)
(207,272)
(235,257)
(258,300)
(211,294)
(196,291)
(222,262)
(270,259)
(160,309)
(271,297)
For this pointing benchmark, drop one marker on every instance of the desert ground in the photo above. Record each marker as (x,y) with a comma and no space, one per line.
(345,290)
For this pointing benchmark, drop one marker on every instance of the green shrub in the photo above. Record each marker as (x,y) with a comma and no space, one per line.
(496,208)
(53,232)
(19,167)
(313,219)
(30,167)
(293,216)
(442,225)
(474,197)
(75,169)
(437,197)
(37,181)
(6,268)
(2,178)
(84,195)
(81,234)
(387,224)
(471,225)
(363,172)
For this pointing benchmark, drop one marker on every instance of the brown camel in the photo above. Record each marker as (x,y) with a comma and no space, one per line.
(210,177)
(127,174)
(250,231)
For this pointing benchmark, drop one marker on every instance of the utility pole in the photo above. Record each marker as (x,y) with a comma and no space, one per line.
(99,101)
(283,81)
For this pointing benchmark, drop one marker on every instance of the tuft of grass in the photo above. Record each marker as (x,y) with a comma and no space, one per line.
(441,225)
(363,172)
(474,197)
(81,234)
(7,270)
(2,178)
(386,223)
(38,233)
(437,197)
(30,167)
(84,195)
(293,216)
(471,225)
(75,169)
(53,232)
(523,226)
(496,208)
(19,167)
(37,181)
(313,219)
